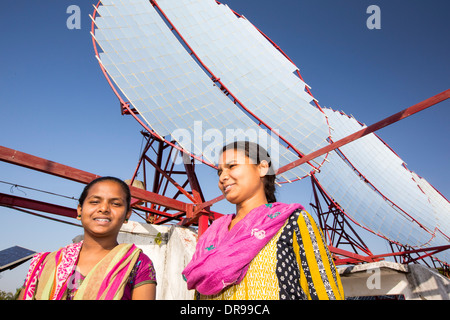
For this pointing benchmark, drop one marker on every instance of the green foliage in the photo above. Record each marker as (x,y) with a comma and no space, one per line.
(158,238)
(9,295)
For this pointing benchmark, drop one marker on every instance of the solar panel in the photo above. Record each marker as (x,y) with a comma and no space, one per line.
(13,257)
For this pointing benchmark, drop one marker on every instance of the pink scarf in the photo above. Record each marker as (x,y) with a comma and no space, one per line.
(222,257)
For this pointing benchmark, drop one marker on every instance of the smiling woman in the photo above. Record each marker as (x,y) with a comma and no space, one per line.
(103,207)
(98,268)
(267,249)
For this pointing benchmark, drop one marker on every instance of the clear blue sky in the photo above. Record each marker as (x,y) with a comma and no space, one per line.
(57,105)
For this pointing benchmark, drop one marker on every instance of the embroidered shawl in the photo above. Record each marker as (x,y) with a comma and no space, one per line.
(222,257)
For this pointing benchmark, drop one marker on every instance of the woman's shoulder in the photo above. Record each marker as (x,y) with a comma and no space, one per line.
(286,206)
(143,271)
(38,259)
(72,247)
(299,214)
(144,258)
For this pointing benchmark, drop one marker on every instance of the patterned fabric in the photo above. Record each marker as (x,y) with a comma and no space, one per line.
(50,274)
(217,263)
(36,265)
(295,264)
(260,281)
(143,273)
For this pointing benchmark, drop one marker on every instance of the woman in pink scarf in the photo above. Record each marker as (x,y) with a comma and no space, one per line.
(266,250)
(98,268)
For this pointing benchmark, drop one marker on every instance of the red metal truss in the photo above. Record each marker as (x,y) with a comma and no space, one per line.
(11,201)
(166,180)
(46,166)
(338,230)
(159,204)
(370,129)
(127,109)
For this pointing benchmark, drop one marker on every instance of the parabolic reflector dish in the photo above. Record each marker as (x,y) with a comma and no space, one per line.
(201,75)
(198,73)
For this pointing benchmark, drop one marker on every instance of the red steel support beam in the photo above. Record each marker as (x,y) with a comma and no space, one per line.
(14,201)
(43,165)
(355,258)
(370,129)
(428,252)
(203,220)
(206,204)
(340,230)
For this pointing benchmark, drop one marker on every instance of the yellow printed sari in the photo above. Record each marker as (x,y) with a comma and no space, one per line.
(294,264)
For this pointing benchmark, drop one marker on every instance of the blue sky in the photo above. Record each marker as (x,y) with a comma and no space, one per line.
(57,105)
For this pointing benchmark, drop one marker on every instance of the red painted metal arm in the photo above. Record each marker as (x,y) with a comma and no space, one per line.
(14,201)
(370,129)
(43,165)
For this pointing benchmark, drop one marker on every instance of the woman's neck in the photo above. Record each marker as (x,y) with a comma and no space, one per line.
(244,208)
(92,251)
(98,244)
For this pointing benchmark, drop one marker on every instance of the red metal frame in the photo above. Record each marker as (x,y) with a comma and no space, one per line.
(11,201)
(370,129)
(337,229)
(404,255)
(160,203)
(165,180)
(339,232)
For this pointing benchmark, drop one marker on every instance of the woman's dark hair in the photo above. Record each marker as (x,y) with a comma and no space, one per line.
(257,154)
(124,186)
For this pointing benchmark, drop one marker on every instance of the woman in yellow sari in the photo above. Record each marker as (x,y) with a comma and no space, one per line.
(267,249)
(98,268)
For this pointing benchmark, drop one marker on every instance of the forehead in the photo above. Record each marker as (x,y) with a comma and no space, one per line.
(234,156)
(106,187)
